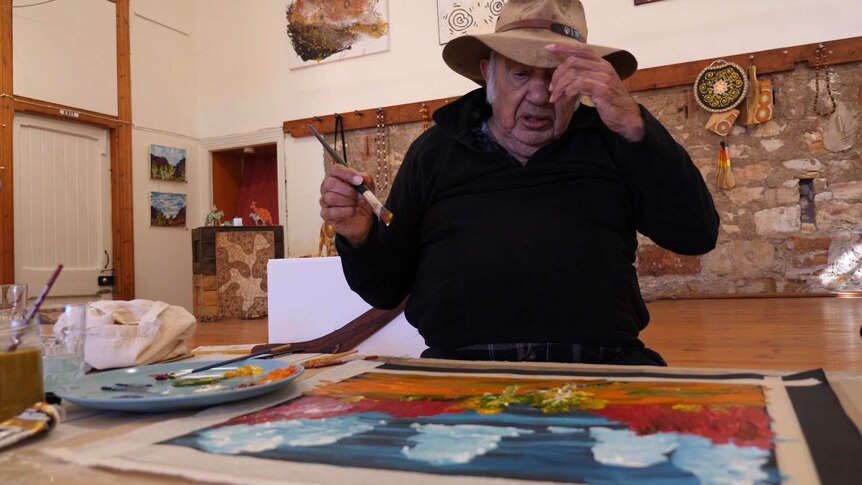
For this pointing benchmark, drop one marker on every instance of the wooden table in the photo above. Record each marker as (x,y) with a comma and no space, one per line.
(26,464)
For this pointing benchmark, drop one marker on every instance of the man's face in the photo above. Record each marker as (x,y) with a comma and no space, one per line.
(521,107)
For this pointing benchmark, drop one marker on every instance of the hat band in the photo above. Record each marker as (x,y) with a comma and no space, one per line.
(544,24)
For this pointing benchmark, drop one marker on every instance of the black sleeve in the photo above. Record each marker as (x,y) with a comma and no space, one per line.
(670,201)
(382,270)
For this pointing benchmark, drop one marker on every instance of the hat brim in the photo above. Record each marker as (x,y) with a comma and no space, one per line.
(526,46)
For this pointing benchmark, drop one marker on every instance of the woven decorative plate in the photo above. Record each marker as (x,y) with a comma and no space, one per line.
(721,86)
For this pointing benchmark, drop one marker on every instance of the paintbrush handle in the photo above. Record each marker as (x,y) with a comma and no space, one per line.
(314,361)
(41,298)
(242,357)
(382,213)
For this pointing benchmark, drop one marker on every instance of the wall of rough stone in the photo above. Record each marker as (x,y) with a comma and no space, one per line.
(771,239)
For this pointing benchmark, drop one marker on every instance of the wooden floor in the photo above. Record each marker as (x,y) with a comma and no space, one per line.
(754,333)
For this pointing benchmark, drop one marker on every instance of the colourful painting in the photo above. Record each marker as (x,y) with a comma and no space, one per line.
(585,430)
(167,209)
(438,423)
(167,163)
(324,31)
(466,17)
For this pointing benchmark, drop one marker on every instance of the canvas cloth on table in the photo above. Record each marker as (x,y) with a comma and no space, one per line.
(136,332)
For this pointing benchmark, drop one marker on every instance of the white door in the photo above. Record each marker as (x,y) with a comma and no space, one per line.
(62,205)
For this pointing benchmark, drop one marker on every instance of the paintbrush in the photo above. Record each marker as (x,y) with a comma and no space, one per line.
(176,375)
(35,308)
(324,359)
(384,214)
(286,352)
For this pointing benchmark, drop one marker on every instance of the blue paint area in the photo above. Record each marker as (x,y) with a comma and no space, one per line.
(521,443)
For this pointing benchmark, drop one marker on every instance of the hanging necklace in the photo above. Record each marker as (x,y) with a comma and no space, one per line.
(822,64)
(426,118)
(381,178)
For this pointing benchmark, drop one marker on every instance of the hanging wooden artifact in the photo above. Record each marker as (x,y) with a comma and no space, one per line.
(724,178)
(719,89)
(840,129)
(758,104)
(722,123)
(721,86)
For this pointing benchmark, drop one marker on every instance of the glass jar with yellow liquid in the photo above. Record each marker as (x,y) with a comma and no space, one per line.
(20,354)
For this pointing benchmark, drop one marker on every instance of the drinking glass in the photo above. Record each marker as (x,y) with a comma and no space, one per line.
(63,348)
(20,354)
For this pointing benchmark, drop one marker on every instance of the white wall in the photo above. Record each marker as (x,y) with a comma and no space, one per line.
(165,112)
(674,31)
(66,52)
(245,84)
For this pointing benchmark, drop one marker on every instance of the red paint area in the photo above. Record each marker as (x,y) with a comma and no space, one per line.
(316,407)
(742,426)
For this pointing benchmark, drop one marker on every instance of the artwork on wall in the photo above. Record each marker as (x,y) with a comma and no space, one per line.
(167,163)
(167,209)
(466,17)
(241,259)
(331,31)
(416,423)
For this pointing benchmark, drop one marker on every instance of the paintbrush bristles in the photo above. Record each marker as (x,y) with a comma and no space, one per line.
(316,361)
(379,210)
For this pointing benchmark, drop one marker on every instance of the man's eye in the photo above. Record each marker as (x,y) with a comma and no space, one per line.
(520,75)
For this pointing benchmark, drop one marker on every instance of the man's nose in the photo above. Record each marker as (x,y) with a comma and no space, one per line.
(538,88)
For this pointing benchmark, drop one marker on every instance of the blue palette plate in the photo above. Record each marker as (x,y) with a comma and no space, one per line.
(133,389)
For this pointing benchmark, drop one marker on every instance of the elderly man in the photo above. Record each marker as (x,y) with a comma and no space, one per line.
(516,214)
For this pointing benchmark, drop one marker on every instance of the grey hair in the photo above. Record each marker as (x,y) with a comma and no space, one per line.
(491,80)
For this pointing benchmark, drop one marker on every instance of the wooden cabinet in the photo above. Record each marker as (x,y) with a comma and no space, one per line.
(229,266)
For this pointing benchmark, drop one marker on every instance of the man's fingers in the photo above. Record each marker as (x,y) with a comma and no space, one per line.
(588,84)
(572,50)
(337,186)
(347,174)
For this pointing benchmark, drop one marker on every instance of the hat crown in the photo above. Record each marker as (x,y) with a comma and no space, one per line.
(565,12)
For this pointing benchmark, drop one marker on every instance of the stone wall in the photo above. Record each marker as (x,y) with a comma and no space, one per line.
(793,223)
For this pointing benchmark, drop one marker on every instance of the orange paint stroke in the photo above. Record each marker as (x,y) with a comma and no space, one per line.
(385,386)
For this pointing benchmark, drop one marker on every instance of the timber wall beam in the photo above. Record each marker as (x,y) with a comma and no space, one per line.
(7,113)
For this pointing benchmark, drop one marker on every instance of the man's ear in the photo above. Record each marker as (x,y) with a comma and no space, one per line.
(483,66)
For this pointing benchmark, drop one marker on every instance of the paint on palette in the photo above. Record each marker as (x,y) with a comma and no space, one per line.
(572,430)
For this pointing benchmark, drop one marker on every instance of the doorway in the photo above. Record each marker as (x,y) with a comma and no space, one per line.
(62,201)
(243,177)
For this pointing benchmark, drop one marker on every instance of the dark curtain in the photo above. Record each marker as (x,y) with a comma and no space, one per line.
(259,184)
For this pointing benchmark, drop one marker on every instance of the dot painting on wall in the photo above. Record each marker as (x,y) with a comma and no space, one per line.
(466,17)
(324,31)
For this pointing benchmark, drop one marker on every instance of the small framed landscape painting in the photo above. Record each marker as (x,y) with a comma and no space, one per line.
(167,209)
(167,163)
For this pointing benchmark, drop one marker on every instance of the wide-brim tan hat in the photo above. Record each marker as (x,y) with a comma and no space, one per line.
(523,29)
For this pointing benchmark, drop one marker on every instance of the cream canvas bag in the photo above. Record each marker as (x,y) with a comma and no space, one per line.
(136,332)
